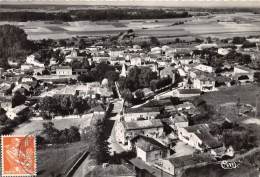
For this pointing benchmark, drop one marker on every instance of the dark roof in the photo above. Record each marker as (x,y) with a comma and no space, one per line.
(189,91)
(110,171)
(148,144)
(182,161)
(143,124)
(142,109)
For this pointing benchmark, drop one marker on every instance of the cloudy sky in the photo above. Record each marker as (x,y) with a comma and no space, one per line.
(172,3)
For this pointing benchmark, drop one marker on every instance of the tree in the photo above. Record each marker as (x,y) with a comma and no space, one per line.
(127,95)
(14,44)
(48,105)
(82,44)
(257,77)
(112,76)
(18,99)
(139,94)
(154,41)
(238,40)
(52,134)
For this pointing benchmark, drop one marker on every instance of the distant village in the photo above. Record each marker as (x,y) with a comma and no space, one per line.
(156,95)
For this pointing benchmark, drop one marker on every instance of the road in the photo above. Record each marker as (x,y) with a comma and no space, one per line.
(114,146)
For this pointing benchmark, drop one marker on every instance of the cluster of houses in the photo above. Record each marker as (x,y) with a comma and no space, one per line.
(154,140)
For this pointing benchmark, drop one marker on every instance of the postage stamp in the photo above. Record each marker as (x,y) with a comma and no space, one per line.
(19,156)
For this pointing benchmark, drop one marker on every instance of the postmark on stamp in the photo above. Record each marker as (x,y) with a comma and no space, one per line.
(19,155)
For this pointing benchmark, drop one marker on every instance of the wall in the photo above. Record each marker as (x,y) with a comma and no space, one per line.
(189,138)
(142,154)
(135,116)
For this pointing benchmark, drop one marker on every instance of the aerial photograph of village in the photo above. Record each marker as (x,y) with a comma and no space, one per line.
(148,90)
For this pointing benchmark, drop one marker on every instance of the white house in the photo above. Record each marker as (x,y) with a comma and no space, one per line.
(199,137)
(204,68)
(125,131)
(131,114)
(243,71)
(136,61)
(223,51)
(64,70)
(204,83)
(148,149)
(206,46)
(114,53)
(31,59)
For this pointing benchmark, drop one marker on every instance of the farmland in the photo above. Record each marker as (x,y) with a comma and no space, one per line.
(35,126)
(217,25)
(246,94)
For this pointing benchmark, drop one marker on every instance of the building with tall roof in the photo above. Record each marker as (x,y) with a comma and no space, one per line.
(125,131)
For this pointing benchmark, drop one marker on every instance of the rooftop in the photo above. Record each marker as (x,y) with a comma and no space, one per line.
(143,124)
(187,160)
(189,91)
(148,144)
(142,109)
(64,67)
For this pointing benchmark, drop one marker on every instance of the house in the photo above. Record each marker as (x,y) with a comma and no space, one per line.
(17,111)
(204,83)
(136,61)
(148,149)
(185,93)
(243,73)
(31,59)
(224,51)
(114,53)
(99,57)
(204,68)
(26,67)
(131,114)
(180,121)
(125,131)
(206,46)
(63,71)
(111,170)
(176,165)
(156,50)
(199,137)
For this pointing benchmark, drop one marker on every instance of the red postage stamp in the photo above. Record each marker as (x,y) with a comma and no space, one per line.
(18,156)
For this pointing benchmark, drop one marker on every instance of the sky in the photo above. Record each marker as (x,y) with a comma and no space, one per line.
(167,3)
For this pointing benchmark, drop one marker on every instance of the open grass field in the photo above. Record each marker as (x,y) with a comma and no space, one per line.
(246,94)
(35,126)
(219,25)
(53,161)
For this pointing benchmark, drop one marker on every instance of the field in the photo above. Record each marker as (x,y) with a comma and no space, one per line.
(53,161)
(246,94)
(35,126)
(218,25)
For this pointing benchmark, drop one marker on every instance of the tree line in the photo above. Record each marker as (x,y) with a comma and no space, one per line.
(92,14)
